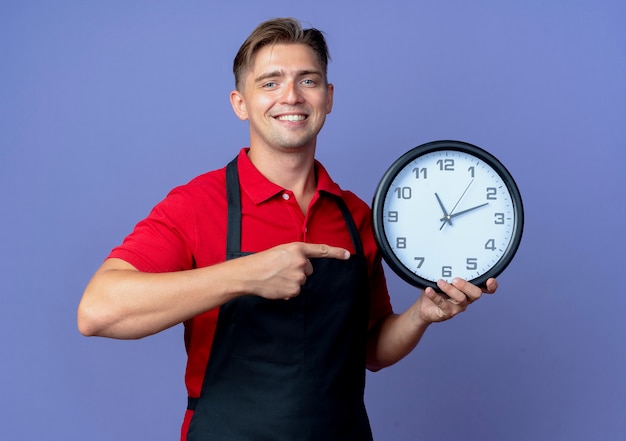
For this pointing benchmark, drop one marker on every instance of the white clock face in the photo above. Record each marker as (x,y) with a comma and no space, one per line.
(448,214)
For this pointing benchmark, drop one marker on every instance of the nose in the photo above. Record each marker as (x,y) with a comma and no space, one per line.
(291,93)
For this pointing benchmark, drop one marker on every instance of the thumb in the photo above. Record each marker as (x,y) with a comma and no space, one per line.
(323,250)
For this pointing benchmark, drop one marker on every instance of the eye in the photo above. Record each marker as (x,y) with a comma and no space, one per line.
(309,82)
(270,85)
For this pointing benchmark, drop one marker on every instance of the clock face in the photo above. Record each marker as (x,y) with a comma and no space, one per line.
(447,209)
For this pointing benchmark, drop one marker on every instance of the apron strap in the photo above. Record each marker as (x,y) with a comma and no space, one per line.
(354,231)
(233,196)
(192,402)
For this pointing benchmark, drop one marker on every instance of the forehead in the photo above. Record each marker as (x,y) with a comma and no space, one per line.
(285,58)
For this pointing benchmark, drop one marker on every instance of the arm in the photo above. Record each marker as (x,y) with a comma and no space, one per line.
(396,335)
(122,302)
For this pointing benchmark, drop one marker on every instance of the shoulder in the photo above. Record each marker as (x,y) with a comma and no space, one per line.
(185,204)
(210,185)
(174,235)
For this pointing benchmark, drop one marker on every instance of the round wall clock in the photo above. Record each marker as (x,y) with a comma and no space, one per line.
(447,209)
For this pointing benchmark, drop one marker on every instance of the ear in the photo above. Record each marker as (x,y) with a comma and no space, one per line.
(329,98)
(239,105)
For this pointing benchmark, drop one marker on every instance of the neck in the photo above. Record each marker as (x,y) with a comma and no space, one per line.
(292,170)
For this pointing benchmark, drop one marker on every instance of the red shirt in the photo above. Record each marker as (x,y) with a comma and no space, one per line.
(188,230)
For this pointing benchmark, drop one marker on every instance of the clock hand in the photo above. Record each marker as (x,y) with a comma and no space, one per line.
(464,191)
(446,216)
(450,216)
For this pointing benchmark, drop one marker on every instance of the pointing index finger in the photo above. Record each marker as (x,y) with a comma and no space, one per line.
(323,250)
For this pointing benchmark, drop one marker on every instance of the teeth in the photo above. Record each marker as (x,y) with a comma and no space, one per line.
(291,118)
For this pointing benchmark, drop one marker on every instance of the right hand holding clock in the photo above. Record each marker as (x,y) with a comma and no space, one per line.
(461,293)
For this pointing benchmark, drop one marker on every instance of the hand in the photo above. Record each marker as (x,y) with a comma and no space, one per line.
(280,272)
(461,293)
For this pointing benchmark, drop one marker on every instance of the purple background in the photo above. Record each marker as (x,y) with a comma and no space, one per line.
(106,105)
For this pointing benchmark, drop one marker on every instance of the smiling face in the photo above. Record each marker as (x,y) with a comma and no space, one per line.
(285,98)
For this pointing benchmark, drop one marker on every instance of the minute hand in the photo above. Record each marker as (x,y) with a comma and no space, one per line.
(450,216)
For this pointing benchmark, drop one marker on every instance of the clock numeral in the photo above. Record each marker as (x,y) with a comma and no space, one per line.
(491,193)
(392,216)
(400,242)
(490,245)
(446,271)
(420,171)
(420,261)
(471,263)
(499,218)
(403,192)
(471,171)
(446,164)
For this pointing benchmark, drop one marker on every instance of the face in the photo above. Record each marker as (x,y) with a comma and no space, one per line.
(284,97)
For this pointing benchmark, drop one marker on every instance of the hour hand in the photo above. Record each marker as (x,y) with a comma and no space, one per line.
(446,216)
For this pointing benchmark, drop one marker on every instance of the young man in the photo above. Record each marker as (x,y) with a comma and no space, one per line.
(272,268)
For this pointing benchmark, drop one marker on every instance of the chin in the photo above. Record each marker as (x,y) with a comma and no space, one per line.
(295,144)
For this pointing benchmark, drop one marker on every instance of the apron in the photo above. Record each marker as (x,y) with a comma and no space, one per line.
(290,370)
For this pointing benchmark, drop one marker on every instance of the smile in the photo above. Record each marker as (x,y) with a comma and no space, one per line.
(291,118)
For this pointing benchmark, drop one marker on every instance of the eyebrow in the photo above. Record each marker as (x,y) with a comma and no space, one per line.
(278,73)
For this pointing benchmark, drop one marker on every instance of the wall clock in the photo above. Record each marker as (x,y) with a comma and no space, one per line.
(447,209)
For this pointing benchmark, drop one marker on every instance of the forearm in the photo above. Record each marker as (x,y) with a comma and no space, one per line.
(121,302)
(394,338)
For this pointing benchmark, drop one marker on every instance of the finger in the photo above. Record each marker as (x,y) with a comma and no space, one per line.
(308,268)
(438,299)
(431,294)
(452,291)
(323,250)
(469,290)
(491,286)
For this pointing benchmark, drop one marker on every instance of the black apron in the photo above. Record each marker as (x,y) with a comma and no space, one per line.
(290,370)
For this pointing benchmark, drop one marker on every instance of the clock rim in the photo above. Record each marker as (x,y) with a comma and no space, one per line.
(385,183)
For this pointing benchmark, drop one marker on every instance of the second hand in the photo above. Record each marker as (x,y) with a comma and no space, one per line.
(456,205)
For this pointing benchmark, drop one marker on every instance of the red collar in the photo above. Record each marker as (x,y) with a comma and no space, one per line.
(259,189)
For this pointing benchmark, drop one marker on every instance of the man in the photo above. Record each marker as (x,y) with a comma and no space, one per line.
(272,268)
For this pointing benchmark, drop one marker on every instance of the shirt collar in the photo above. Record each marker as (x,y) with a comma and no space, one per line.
(260,189)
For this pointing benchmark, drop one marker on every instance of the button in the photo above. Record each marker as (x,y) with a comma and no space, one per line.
(285,196)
